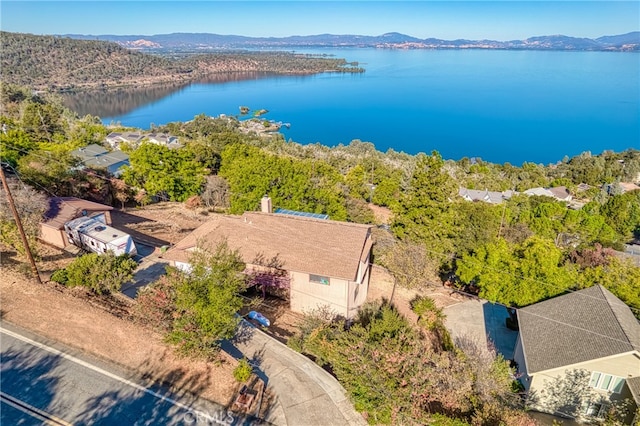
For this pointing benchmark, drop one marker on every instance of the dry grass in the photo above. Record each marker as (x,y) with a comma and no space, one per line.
(74,318)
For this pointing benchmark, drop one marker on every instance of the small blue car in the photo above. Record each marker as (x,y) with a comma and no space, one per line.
(260,318)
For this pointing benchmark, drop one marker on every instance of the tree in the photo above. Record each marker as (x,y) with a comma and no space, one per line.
(100,273)
(517,275)
(30,205)
(216,192)
(622,213)
(411,265)
(207,300)
(424,212)
(620,276)
(395,375)
(121,190)
(269,276)
(305,185)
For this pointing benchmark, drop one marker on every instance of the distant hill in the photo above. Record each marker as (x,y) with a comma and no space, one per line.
(63,63)
(203,41)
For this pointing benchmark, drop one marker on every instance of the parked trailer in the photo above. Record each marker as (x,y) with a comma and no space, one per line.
(91,234)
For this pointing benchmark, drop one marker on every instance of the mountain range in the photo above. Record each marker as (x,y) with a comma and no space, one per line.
(206,41)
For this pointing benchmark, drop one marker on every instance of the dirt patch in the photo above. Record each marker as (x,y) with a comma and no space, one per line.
(76,320)
(381,287)
(382,214)
(161,224)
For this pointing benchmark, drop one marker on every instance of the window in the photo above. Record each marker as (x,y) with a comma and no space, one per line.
(319,279)
(595,409)
(606,382)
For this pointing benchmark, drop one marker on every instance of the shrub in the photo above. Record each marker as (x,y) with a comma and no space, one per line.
(100,273)
(59,276)
(243,371)
(429,315)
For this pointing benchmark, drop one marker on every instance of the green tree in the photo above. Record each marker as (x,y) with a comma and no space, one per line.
(100,273)
(620,276)
(622,213)
(171,174)
(517,275)
(207,300)
(305,185)
(14,144)
(424,212)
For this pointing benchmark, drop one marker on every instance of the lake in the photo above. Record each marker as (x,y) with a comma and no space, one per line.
(501,106)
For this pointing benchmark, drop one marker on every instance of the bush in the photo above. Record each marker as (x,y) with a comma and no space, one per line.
(429,315)
(243,371)
(100,273)
(60,276)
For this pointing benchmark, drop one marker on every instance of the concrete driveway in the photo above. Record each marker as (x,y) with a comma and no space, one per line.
(306,395)
(482,321)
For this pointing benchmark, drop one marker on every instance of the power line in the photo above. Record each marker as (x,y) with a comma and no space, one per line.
(16,216)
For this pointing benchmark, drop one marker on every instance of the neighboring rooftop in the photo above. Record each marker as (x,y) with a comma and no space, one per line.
(96,156)
(634,387)
(577,327)
(560,193)
(316,246)
(63,209)
(492,197)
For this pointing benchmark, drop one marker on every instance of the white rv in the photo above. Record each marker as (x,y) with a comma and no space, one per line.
(91,234)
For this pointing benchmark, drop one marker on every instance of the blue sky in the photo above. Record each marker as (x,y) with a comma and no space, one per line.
(497,20)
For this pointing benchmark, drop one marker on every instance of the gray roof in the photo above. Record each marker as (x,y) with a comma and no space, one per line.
(576,327)
(633,383)
(89,152)
(96,156)
(492,197)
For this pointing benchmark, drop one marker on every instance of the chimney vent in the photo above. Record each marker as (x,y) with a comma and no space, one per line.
(265,204)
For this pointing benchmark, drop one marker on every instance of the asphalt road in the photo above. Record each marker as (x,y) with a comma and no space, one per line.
(42,384)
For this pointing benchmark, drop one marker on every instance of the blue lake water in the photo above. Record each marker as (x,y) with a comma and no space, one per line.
(501,106)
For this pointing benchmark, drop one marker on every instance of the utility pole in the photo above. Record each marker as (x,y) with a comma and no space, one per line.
(20,229)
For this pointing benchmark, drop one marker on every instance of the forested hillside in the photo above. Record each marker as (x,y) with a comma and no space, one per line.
(55,63)
(493,249)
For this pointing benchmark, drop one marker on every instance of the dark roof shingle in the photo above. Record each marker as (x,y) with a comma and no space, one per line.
(576,327)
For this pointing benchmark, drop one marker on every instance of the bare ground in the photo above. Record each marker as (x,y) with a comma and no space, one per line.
(381,287)
(77,320)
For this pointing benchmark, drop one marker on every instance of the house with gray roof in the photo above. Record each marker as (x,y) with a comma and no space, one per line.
(163,139)
(589,331)
(96,157)
(492,197)
(115,139)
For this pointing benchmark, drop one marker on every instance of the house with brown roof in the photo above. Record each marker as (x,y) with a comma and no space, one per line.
(327,261)
(65,209)
(579,354)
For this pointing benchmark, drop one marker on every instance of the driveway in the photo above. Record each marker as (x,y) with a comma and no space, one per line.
(305,393)
(482,321)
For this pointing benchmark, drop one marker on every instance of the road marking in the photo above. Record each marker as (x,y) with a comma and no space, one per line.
(45,417)
(106,373)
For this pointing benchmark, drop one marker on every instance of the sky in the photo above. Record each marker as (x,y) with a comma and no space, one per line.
(494,20)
